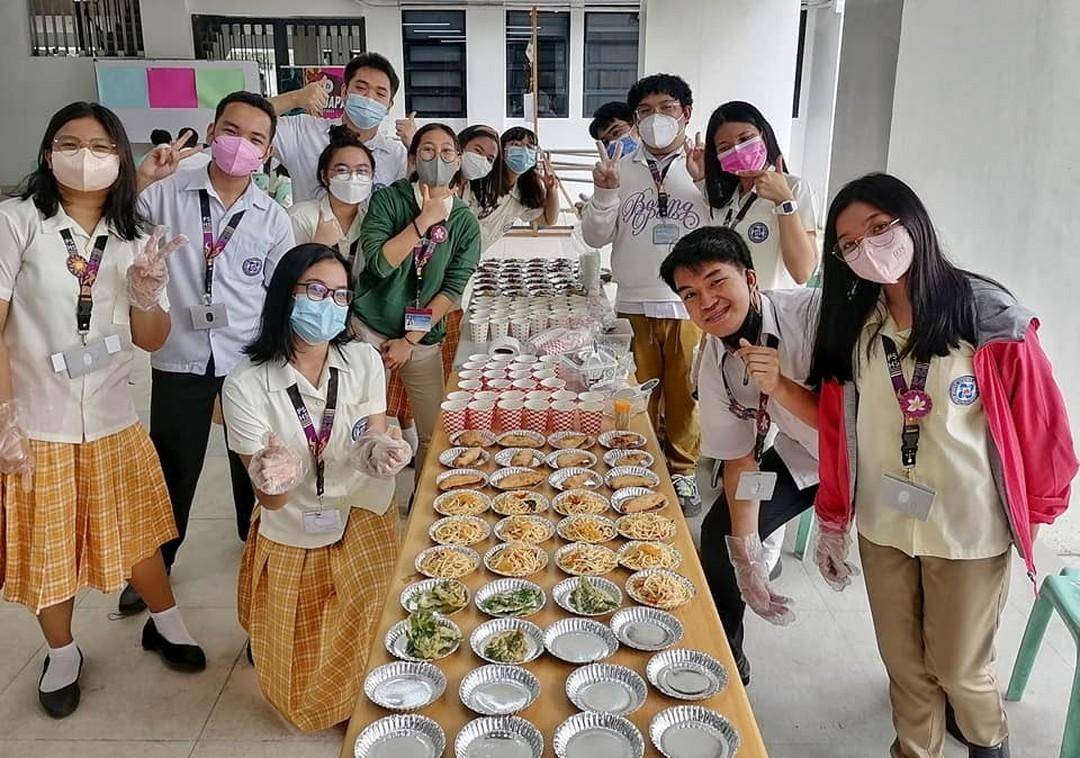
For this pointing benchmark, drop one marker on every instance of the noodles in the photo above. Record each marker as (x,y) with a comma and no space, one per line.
(649,527)
(459,530)
(649,555)
(579,558)
(528,529)
(520,503)
(587,528)
(660,589)
(516,559)
(580,501)
(461,504)
(446,563)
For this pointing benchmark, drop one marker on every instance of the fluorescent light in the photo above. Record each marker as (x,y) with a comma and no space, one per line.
(425,23)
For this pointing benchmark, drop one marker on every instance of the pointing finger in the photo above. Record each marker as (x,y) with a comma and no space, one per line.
(601,150)
(699,144)
(618,152)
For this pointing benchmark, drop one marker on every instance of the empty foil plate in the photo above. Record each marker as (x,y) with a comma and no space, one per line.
(644,628)
(499,737)
(499,690)
(691,731)
(401,736)
(598,735)
(606,688)
(404,685)
(580,641)
(686,674)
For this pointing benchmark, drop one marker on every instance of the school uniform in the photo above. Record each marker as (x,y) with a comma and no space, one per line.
(308,585)
(300,140)
(730,401)
(98,504)
(305,222)
(189,369)
(499,219)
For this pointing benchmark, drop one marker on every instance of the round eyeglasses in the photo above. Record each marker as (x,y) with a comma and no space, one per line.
(317,291)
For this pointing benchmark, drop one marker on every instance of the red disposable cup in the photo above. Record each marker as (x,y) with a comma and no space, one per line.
(535,416)
(508,415)
(481,415)
(454,415)
(563,416)
(590,417)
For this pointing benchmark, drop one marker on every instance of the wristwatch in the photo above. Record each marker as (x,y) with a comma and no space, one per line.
(786,208)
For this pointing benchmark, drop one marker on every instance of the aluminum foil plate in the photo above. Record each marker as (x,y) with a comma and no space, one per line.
(561,479)
(447,457)
(409,593)
(644,628)
(620,497)
(504,456)
(404,685)
(507,585)
(482,634)
(504,524)
(686,674)
(598,735)
(433,530)
(621,440)
(563,459)
(499,690)
(562,591)
(580,641)
(691,731)
(499,737)
(571,440)
(493,553)
(497,479)
(401,736)
(648,478)
(606,688)
(619,457)
(397,641)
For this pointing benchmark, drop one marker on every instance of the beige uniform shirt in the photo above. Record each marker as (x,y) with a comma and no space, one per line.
(305,221)
(497,221)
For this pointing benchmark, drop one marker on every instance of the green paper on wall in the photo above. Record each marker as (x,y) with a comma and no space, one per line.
(212,84)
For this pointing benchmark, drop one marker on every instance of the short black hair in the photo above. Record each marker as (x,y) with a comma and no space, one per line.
(340,137)
(667,84)
(253,99)
(706,244)
(377,62)
(160,137)
(275,342)
(608,112)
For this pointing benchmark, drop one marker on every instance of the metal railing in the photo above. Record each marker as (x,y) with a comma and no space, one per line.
(86,28)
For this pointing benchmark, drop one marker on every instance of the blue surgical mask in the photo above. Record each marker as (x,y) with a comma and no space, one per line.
(363,111)
(520,159)
(316,322)
(629,145)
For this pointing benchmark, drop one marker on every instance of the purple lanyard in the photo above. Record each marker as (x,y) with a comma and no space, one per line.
(86,272)
(761,418)
(914,401)
(317,441)
(424,250)
(211,248)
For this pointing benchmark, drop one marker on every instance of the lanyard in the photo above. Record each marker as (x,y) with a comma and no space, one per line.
(317,441)
(760,416)
(658,175)
(352,251)
(212,249)
(914,401)
(732,223)
(86,272)
(424,250)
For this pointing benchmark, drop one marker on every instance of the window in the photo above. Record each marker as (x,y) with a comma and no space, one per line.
(434,46)
(93,28)
(553,63)
(611,57)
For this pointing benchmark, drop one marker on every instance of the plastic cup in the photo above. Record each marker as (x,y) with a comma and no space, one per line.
(470,385)
(590,417)
(551,384)
(508,414)
(481,415)
(499,385)
(459,395)
(591,397)
(524,385)
(519,374)
(486,396)
(564,416)
(519,327)
(540,374)
(491,375)
(538,396)
(513,396)
(471,374)
(534,417)
(526,359)
(499,328)
(564,396)
(471,365)
(454,415)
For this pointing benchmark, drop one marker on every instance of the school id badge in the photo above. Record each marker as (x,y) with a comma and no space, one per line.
(326,521)
(213,316)
(756,485)
(86,359)
(907,497)
(665,234)
(419,320)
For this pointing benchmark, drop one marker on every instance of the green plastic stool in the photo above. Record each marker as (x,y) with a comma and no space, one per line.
(806,522)
(1060,593)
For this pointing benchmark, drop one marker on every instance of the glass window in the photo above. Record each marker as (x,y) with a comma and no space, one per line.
(553,63)
(434,47)
(68,28)
(611,58)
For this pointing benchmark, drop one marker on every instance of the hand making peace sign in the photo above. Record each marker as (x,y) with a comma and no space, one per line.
(605,173)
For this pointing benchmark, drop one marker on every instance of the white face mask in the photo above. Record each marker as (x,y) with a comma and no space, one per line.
(659,130)
(475,165)
(350,189)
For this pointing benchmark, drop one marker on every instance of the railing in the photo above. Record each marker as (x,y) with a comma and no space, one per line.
(87,28)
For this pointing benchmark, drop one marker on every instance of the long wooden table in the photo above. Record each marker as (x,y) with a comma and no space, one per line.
(700,621)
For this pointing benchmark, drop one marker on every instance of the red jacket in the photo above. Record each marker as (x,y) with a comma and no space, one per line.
(1031,446)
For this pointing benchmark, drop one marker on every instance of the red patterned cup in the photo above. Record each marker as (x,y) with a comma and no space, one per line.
(535,416)
(481,415)
(563,416)
(454,415)
(508,414)
(499,385)
(590,417)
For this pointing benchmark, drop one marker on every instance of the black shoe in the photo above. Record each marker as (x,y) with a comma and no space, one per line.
(997,751)
(742,663)
(178,657)
(778,569)
(60,703)
(250,655)
(130,602)
(952,728)
(687,491)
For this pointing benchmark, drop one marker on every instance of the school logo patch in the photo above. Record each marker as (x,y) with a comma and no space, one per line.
(358,429)
(253,266)
(758,232)
(964,390)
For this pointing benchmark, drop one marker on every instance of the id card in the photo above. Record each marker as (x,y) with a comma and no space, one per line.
(756,485)
(665,234)
(86,359)
(907,497)
(418,320)
(209,316)
(322,522)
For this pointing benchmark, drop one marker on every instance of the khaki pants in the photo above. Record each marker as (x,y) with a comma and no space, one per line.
(935,621)
(664,348)
(423,379)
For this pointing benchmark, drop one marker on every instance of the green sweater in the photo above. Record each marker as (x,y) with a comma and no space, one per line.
(384,291)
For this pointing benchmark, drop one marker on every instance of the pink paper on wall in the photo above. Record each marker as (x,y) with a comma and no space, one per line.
(172,88)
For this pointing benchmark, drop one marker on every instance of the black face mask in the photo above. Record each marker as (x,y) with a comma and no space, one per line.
(751,325)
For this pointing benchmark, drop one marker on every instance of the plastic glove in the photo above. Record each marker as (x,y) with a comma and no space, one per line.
(381,454)
(277,468)
(752,574)
(148,275)
(15,454)
(830,554)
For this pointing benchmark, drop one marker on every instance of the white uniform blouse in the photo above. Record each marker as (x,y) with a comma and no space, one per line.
(497,221)
(305,221)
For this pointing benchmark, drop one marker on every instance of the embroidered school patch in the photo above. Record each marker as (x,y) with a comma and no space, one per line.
(964,390)
(253,266)
(758,232)
(358,429)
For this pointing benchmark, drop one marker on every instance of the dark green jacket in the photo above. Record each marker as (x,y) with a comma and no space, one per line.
(384,291)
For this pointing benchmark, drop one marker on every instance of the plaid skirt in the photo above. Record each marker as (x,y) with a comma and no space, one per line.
(397,399)
(95,510)
(312,613)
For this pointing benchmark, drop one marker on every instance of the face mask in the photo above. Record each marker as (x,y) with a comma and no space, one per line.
(751,326)
(475,165)
(436,172)
(885,258)
(84,171)
(350,189)
(746,156)
(236,156)
(317,322)
(520,159)
(659,130)
(363,111)
(629,145)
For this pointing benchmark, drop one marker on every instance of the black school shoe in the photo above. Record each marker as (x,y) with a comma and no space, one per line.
(974,751)
(742,664)
(178,657)
(131,603)
(60,703)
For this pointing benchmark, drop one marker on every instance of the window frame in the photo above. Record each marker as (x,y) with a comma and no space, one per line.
(410,17)
(567,39)
(586,111)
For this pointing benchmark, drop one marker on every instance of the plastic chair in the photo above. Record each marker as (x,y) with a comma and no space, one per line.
(1060,593)
(806,522)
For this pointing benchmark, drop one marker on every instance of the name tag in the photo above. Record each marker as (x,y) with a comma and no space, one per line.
(665,234)
(907,497)
(322,522)
(418,320)
(86,359)
(756,485)
(209,316)
(661,310)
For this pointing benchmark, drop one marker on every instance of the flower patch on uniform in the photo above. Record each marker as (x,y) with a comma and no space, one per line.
(358,429)
(758,232)
(964,390)
(253,266)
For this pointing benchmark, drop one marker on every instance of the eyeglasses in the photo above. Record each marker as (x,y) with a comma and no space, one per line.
(670,108)
(448,153)
(317,291)
(344,172)
(69,146)
(879,234)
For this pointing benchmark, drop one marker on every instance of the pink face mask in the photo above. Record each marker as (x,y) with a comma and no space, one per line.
(884,258)
(85,171)
(236,156)
(745,156)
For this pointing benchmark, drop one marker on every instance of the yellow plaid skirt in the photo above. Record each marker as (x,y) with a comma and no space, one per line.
(95,510)
(311,614)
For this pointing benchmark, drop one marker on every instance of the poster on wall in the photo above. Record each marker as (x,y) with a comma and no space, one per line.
(295,77)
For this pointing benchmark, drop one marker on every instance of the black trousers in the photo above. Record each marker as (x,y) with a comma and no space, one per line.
(181,411)
(787,502)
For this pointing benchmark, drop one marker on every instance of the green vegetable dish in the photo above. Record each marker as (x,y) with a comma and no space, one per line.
(427,638)
(520,602)
(445,597)
(588,599)
(507,647)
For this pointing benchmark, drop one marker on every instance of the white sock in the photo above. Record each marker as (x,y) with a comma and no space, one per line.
(170,625)
(64,663)
(409,435)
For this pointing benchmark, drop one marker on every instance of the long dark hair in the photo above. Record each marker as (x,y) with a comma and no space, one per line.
(485,189)
(338,140)
(120,210)
(530,188)
(942,302)
(275,340)
(414,146)
(720,185)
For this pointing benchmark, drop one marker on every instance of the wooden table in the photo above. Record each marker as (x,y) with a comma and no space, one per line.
(699,618)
